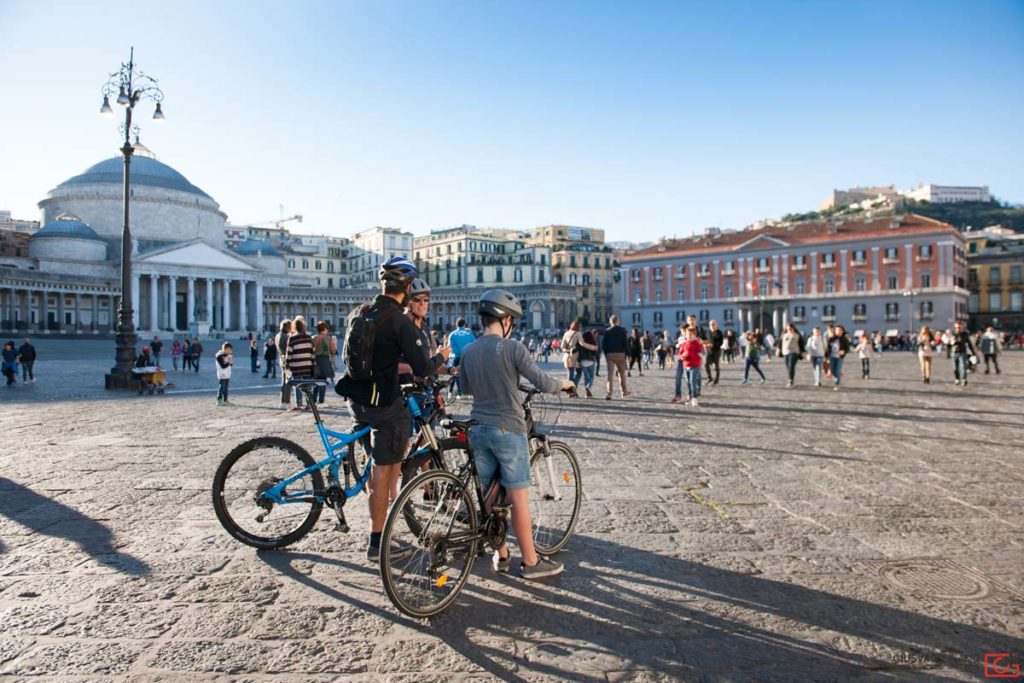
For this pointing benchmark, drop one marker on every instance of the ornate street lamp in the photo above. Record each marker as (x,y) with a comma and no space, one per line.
(911,294)
(131,86)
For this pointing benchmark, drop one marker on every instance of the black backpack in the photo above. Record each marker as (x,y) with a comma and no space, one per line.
(360,338)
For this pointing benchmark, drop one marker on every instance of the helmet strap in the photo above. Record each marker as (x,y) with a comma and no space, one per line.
(507,333)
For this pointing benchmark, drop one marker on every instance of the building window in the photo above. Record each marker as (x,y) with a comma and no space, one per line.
(728,290)
(799,313)
(572,278)
(972,303)
(995,301)
(330,282)
(828,312)
(680,316)
(892,254)
(925,251)
(799,286)
(330,266)
(291,263)
(518,275)
(892,311)
(657,295)
(762,287)
(704,269)
(657,318)
(479,274)
(860,283)
(830,285)
(703,292)
(637,320)
(860,311)
(995,275)
(680,293)
(926,280)
(499,274)
(927,310)
(1016,301)
(1015,275)
(305,264)
(586,279)
(727,268)
(860,257)
(728,315)
(893,281)
(317,265)
(828,259)
(799,262)
(762,264)
(658,271)
(972,275)
(704,315)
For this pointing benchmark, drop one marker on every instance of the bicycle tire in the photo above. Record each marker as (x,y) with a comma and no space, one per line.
(413,467)
(221,504)
(554,520)
(424,572)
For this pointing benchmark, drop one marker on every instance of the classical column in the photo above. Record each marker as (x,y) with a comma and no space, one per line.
(154,301)
(95,325)
(260,320)
(78,311)
(209,301)
(112,310)
(909,257)
(775,321)
(243,308)
(785,318)
(875,284)
(60,310)
(227,304)
(136,294)
(844,261)
(44,309)
(172,303)
(814,271)
(190,304)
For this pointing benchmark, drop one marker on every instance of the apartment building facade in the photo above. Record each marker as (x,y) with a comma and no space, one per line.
(890,274)
(468,256)
(372,247)
(580,258)
(995,278)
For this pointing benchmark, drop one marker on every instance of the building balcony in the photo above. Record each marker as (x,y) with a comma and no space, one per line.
(831,264)
(892,317)
(799,318)
(926,316)
(859,318)
(859,263)
(703,274)
(763,269)
(801,266)
(890,261)
(731,271)
(828,318)
(922,259)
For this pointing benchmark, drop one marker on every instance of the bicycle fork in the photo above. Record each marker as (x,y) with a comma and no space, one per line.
(548,469)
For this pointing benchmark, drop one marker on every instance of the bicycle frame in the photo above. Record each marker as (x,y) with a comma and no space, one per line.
(336,445)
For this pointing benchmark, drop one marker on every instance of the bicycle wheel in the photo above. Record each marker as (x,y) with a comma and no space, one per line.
(424,571)
(452,456)
(556,492)
(250,469)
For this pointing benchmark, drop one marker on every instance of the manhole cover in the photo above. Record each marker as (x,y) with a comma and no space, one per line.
(942,579)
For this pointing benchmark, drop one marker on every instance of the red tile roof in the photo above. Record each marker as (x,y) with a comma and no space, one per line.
(804,232)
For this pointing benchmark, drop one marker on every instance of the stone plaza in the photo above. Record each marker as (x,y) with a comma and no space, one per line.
(770,534)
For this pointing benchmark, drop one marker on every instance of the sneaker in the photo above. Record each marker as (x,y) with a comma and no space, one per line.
(228,403)
(297,409)
(373,553)
(677,399)
(220,402)
(789,385)
(589,395)
(817,384)
(626,393)
(285,406)
(835,388)
(607,397)
(744,381)
(688,399)
(762,381)
(501,564)
(957,382)
(542,569)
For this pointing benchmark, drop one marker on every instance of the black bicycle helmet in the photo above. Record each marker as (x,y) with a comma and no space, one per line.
(397,269)
(419,286)
(498,303)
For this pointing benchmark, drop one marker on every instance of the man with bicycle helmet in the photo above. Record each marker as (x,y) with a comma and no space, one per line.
(491,369)
(377,401)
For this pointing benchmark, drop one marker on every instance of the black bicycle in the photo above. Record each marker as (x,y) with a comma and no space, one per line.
(441,520)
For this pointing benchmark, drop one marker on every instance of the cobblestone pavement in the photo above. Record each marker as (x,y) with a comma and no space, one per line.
(770,534)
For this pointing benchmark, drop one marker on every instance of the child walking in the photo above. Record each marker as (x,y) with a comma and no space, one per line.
(225,359)
(752,355)
(691,358)
(865,350)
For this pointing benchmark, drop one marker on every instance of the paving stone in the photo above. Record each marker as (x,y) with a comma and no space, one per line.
(729,542)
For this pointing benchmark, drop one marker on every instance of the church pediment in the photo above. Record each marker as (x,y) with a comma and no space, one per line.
(198,253)
(761,242)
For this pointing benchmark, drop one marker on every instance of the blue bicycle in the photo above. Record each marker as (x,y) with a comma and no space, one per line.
(269,492)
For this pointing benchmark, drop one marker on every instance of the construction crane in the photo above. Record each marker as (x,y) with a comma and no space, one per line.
(278,222)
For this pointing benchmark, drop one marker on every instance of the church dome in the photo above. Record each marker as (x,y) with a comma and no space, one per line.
(256,247)
(66,226)
(145,170)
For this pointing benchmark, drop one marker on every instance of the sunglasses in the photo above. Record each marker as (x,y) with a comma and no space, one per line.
(421,300)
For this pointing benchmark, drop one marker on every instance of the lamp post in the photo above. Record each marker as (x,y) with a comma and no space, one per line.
(130,86)
(911,294)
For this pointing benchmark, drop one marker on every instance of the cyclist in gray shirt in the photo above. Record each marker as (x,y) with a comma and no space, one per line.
(491,368)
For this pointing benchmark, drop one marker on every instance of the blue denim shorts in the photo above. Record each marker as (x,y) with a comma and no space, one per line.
(501,451)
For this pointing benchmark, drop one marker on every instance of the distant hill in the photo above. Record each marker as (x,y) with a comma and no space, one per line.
(975,214)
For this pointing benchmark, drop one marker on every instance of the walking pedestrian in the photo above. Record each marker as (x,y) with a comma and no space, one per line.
(648,348)
(925,351)
(298,356)
(662,350)
(224,360)
(962,350)
(9,363)
(751,358)
(186,355)
(323,368)
(865,351)
(991,347)
(27,358)
(838,347)
(281,342)
(570,351)
(635,351)
(176,354)
(270,357)
(729,346)
(714,343)
(815,348)
(156,346)
(613,345)
(254,356)
(197,353)
(691,360)
(791,351)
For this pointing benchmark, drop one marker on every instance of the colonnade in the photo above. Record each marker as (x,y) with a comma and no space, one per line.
(67,308)
(175,303)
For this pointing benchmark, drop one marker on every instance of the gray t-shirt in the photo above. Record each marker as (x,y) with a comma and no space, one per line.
(490,370)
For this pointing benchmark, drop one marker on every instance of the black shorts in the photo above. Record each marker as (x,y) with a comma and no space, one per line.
(389,430)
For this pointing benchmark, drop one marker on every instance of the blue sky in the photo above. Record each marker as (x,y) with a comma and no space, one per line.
(646,119)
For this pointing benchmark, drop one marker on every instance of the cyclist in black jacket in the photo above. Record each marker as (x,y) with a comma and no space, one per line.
(378,401)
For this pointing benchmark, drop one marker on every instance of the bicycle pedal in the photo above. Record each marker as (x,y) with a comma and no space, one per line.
(342,527)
